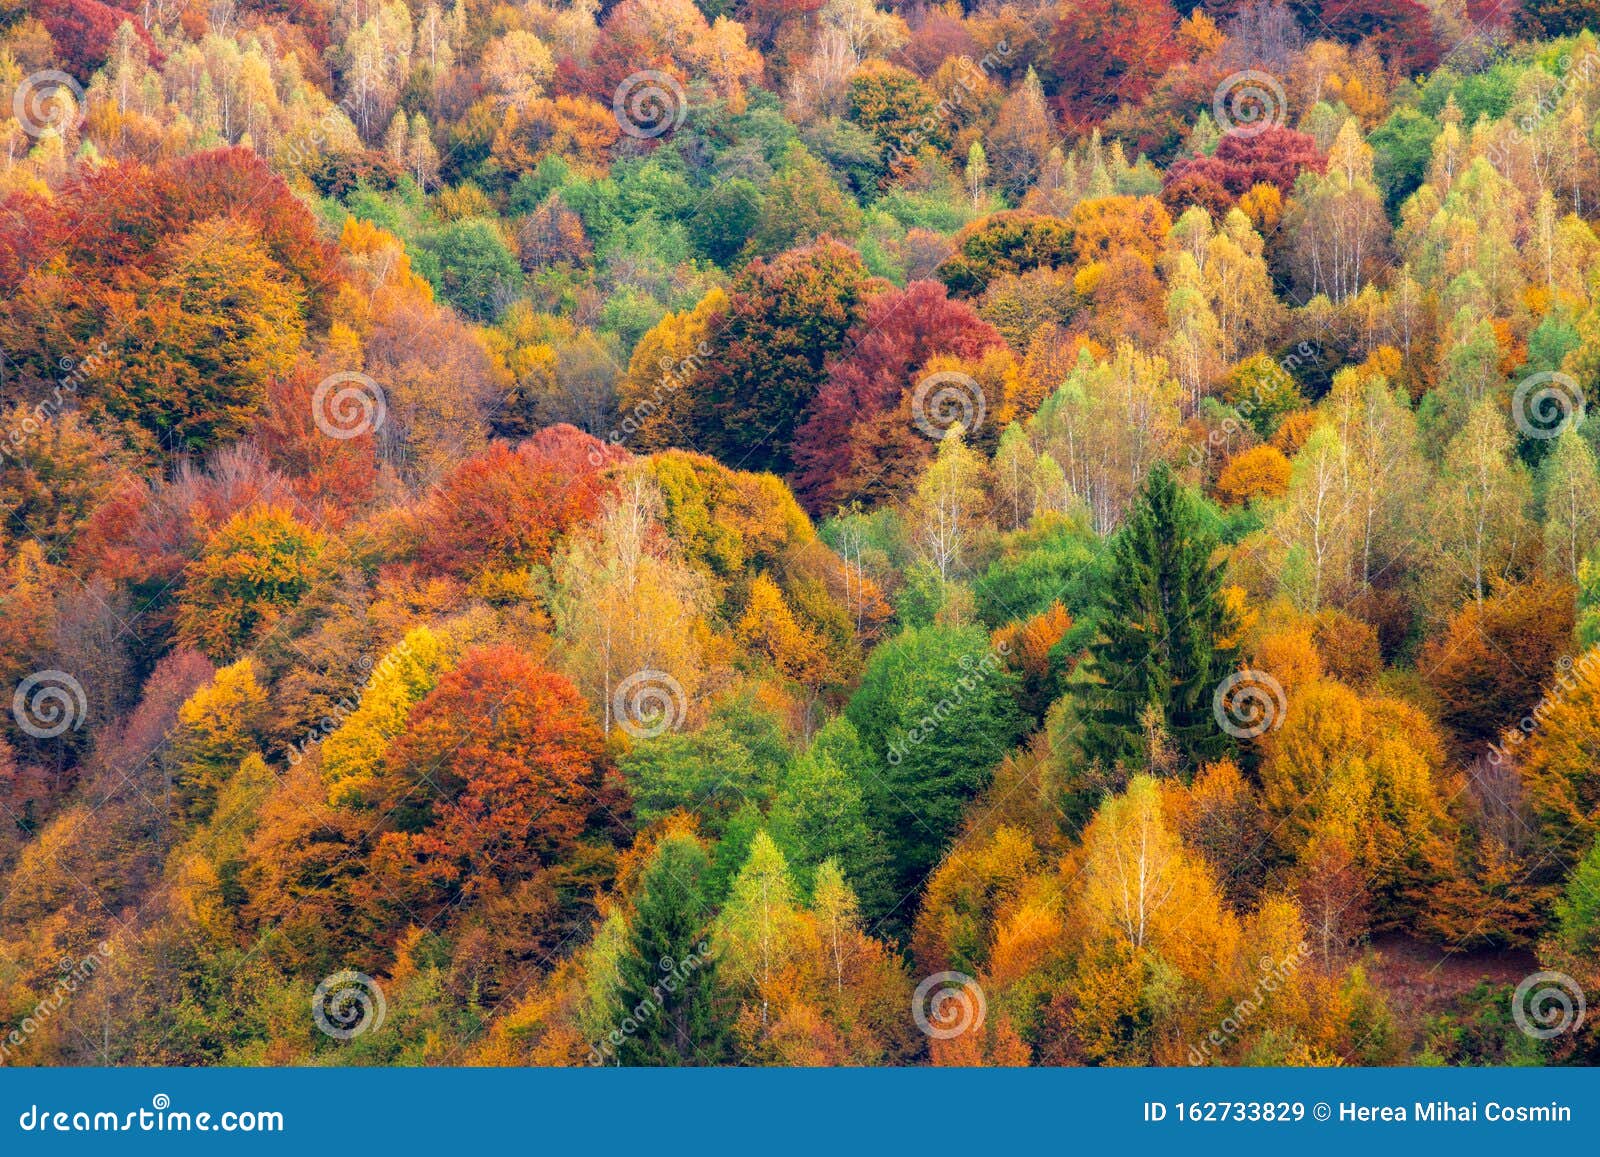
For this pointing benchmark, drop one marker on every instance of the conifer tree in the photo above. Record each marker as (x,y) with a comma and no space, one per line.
(1162,617)
(666,974)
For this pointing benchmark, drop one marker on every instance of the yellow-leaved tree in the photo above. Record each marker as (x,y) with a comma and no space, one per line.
(353,754)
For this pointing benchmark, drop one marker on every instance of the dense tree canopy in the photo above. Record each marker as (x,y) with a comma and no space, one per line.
(657,531)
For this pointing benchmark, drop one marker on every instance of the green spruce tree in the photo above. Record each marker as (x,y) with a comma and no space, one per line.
(1160,618)
(667,973)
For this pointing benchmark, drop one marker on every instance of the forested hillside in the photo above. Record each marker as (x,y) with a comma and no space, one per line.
(799,532)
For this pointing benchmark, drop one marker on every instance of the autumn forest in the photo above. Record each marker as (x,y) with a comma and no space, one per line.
(799,532)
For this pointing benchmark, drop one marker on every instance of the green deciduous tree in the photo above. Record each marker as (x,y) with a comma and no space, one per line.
(937,711)
(802,205)
(1578,910)
(821,815)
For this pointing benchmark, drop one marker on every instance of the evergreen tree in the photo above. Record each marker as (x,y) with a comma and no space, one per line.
(1160,621)
(667,976)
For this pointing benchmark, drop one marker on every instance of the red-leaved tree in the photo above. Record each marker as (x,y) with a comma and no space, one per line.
(854,443)
(1106,52)
(1273,156)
